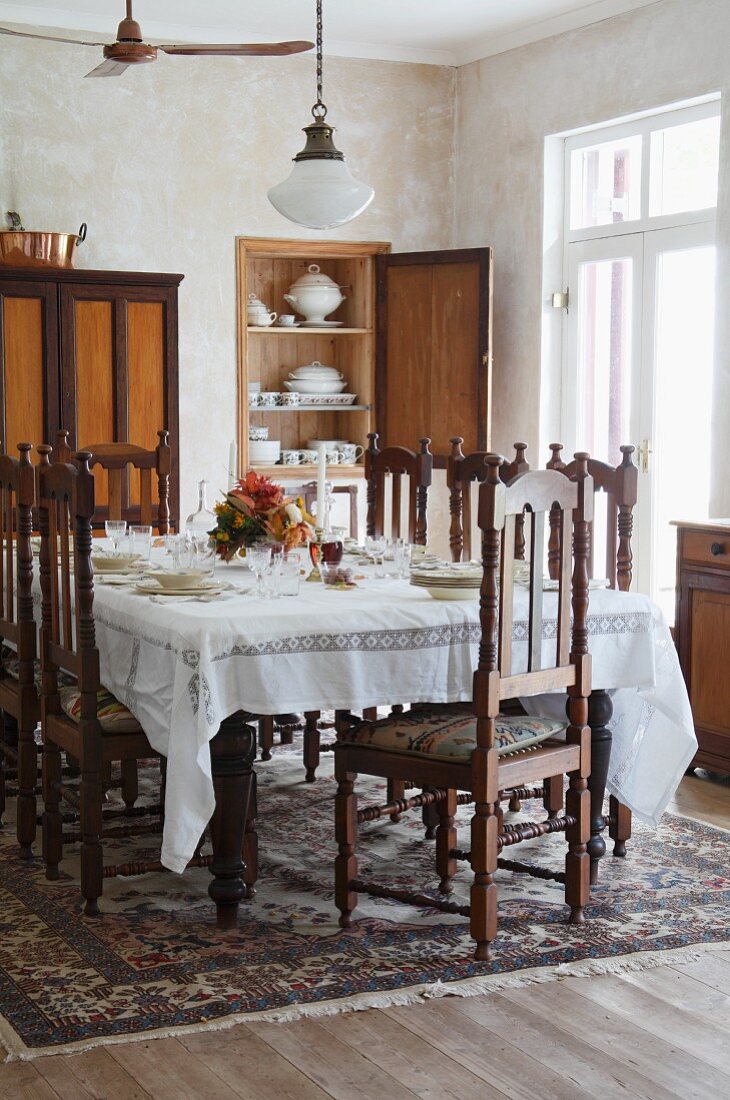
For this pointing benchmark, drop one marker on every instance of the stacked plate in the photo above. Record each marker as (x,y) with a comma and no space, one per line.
(264,452)
(449,582)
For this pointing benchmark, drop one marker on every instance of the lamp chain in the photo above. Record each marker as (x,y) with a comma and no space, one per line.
(319,110)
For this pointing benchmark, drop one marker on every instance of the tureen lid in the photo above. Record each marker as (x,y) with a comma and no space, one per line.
(314,277)
(315,369)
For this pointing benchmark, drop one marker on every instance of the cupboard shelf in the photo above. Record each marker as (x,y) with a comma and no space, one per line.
(309,408)
(272,330)
(308,472)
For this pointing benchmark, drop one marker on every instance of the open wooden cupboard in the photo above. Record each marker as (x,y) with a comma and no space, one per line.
(414,345)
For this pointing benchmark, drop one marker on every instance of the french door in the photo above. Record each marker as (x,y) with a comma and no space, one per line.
(640,335)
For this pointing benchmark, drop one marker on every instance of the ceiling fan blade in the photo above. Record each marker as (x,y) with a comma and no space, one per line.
(50,38)
(110,67)
(241,49)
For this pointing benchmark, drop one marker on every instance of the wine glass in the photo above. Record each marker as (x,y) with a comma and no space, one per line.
(115,530)
(259,560)
(375,550)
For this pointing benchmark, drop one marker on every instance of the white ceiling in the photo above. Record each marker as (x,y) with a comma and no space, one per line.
(432,31)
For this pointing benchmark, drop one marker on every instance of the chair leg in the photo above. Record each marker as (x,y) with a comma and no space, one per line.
(446,865)
(52,824)
(430,819)
(577,860)
(266,735)
(552,798)
(251,843)
(346,837)
(619,828)
(130,783)
(311,744)
(484,835)
(514,805)
(27,778)
(91,850)
(2,766)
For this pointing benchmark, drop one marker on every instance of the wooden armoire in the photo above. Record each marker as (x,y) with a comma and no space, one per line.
(91,351)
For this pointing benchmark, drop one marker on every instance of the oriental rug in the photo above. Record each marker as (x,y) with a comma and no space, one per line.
(155,963)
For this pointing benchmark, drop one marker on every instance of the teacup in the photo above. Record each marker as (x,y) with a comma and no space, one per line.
(287,319)
(267,399)
(307,457)
(290,458)
(262,319)
(289,400)
(349,453)
(257,434)
(332,458)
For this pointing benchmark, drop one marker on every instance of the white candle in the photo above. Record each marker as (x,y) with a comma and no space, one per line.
(321,480)
(232,463)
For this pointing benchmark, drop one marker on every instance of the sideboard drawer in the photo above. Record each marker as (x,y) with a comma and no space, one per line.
(708,547)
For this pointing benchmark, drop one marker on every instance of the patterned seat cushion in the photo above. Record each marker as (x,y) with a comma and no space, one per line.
(450,733)
(113,716)
(11,666)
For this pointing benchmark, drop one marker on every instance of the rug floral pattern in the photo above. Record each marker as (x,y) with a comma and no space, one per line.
(155,960)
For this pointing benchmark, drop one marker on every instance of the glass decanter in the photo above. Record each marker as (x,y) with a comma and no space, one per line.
(203,520)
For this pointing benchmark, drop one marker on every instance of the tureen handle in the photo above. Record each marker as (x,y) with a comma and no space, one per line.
(314,269)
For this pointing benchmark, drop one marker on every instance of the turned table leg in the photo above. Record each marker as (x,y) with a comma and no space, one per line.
(232,751)
(600,711)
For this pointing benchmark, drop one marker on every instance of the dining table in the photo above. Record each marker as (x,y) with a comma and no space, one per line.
(195,673)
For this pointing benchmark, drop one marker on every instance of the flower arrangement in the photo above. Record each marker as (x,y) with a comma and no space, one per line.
(257,510)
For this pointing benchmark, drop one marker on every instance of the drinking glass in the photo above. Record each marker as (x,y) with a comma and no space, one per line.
(204,553)
(140,541)
(180,548)
(402,558)
(259,560)
(332,550)
(289,576)
(375,550)
(115,529)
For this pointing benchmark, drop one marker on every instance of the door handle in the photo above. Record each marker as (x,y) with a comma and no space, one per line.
(642,453)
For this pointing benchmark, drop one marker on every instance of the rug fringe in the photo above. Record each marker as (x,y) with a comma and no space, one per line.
(470,987)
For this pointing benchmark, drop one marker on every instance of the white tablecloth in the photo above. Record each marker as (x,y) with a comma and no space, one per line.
(182,667)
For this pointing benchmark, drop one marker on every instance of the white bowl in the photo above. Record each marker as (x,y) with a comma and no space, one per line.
(307,385)
(450,593)
(177,578)
(112,563)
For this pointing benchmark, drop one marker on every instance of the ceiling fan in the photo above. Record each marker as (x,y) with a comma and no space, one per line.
(130,49)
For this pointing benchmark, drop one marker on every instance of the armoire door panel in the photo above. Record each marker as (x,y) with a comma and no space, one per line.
(94,347)
(23,371)
(709,659)
(434,348)
(29,362)
(145,378)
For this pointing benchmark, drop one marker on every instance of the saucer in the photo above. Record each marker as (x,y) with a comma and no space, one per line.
(296,324)
(151,588)
(321,324)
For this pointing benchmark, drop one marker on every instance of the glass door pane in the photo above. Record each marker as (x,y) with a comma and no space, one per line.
(680,310)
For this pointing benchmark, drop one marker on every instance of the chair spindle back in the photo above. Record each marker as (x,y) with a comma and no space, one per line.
(399,463)
(17,498)
(461,472)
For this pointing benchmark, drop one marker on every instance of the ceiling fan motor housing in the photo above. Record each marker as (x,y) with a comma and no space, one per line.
(129,46)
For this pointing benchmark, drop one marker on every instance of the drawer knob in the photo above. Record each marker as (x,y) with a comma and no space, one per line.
(717,548)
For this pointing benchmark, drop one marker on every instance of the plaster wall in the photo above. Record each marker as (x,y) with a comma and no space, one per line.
(506,107)
(171,161)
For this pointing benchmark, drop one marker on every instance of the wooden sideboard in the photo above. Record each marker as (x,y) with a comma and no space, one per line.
(91,351)
(702,634)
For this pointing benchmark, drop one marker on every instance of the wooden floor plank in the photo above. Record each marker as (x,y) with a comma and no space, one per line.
(339,1070)
(498,1062)
(168,1071)
(244,1061)
(712,968)
(673,1069)
(408,1058)
(92,1074)
(22,1081)
(685,993)
(598,1074)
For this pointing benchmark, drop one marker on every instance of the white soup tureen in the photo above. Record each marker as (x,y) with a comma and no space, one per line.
(314,295)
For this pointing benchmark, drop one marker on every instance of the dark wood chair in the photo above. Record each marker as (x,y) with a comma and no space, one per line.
(461,473)
(398,464)
(18,668)
(620,484)
(120,460)
(475,750)
(80,717)
(310,496)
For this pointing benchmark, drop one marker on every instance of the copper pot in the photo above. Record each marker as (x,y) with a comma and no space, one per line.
(19,248)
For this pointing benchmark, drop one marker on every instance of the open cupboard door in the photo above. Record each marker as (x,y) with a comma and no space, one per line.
(434,348)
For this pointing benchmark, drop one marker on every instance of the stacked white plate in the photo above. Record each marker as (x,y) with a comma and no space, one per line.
(264,452)
(449,582)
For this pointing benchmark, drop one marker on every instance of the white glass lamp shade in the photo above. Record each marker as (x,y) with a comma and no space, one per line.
(320,194)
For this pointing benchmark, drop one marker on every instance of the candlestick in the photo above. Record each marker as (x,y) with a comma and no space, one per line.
(321,483)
